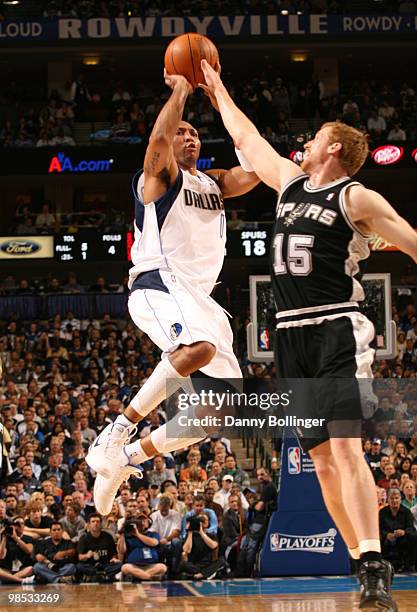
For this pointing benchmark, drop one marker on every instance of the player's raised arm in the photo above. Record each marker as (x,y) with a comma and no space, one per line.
(373,214)
(160,167)
(234,182)
(271,168)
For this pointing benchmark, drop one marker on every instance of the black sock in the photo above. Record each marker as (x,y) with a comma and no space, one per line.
(371,556)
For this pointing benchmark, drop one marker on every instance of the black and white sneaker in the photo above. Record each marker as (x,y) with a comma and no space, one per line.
(375,580)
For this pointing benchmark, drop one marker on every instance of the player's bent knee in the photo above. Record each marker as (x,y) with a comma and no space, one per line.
(200,353)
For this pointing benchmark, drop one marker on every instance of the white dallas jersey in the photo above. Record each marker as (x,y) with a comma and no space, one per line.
(184,231)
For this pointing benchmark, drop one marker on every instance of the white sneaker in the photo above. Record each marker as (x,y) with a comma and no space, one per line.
(28,580)
(105,450)
(105,489)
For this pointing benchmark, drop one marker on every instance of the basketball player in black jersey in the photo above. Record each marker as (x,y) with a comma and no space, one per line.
(323,222)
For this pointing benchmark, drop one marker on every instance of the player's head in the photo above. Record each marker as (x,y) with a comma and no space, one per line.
(186,145)
(336,142)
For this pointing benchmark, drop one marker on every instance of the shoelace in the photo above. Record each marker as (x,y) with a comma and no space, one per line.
(372,579)
(113,444)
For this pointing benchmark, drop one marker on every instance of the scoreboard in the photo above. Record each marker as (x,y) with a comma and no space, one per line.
(89,245)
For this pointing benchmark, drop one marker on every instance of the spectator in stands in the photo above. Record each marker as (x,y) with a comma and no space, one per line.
(138,548)
(234,524)
(11,505)
(397,133)
(382,497)
(87,433)
(166,522)
(16,551)
(209,493)
(398,535)
(97,553)
(131,513)
(409,492)
(239,475)
(198,507)
(72,523)
(72,285)
(110,522)
(160,473)
(373,457)
(268,495)
(56,468)
(389,474)
(36,525)
(376,125)
(223,494)
(54,557)
(197,551)
(45,220)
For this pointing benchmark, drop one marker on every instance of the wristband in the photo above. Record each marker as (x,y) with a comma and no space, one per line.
(245,165)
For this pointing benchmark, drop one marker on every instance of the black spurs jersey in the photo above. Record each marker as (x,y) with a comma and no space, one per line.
(316,250)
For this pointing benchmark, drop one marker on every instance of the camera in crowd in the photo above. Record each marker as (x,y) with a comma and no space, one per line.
(141,523)
(7,526)
(195,522)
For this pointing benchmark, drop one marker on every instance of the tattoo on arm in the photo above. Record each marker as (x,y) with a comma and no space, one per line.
(152,165)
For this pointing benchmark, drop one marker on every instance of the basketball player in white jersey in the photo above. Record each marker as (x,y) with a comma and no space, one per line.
(178,252)
(327,219)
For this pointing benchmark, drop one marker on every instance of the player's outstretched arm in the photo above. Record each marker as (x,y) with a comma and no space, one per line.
(373,214)
(271,168)
(160,167)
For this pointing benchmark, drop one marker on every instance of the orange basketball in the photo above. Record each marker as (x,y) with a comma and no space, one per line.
(184,55)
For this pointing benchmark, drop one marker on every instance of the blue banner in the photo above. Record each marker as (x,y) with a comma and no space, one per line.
(135,28)
(301,539)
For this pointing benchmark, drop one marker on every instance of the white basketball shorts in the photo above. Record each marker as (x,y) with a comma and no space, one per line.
(171,311)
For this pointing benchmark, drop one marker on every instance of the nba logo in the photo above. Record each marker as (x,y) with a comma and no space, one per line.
(274,541)
(264,339)
(294,460)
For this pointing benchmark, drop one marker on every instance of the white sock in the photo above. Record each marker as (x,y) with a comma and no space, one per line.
(166,439)
(168,445)
(355,553)
(136,453)
(162,383)
(369,546)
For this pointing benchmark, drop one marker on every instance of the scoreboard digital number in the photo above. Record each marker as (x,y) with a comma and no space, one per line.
(248,243)
(90,246)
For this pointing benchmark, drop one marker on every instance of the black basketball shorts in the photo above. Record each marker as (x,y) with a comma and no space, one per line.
(329,364)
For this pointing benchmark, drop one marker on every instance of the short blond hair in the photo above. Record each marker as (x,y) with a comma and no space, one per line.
(354,143)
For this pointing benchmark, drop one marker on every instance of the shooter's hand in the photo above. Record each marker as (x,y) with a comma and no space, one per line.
(177,80)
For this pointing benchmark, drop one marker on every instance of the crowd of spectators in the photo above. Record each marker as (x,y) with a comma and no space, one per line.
(52,285)
(64,381)
(196,513)
(383,109)
(29,220)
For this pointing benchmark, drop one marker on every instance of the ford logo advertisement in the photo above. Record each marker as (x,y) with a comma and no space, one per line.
(33,247)
(387,154)
(19,247)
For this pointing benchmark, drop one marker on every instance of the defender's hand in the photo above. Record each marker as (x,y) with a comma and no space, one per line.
(177,80)
(211,75)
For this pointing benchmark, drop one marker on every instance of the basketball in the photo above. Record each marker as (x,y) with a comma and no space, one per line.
(184,55)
